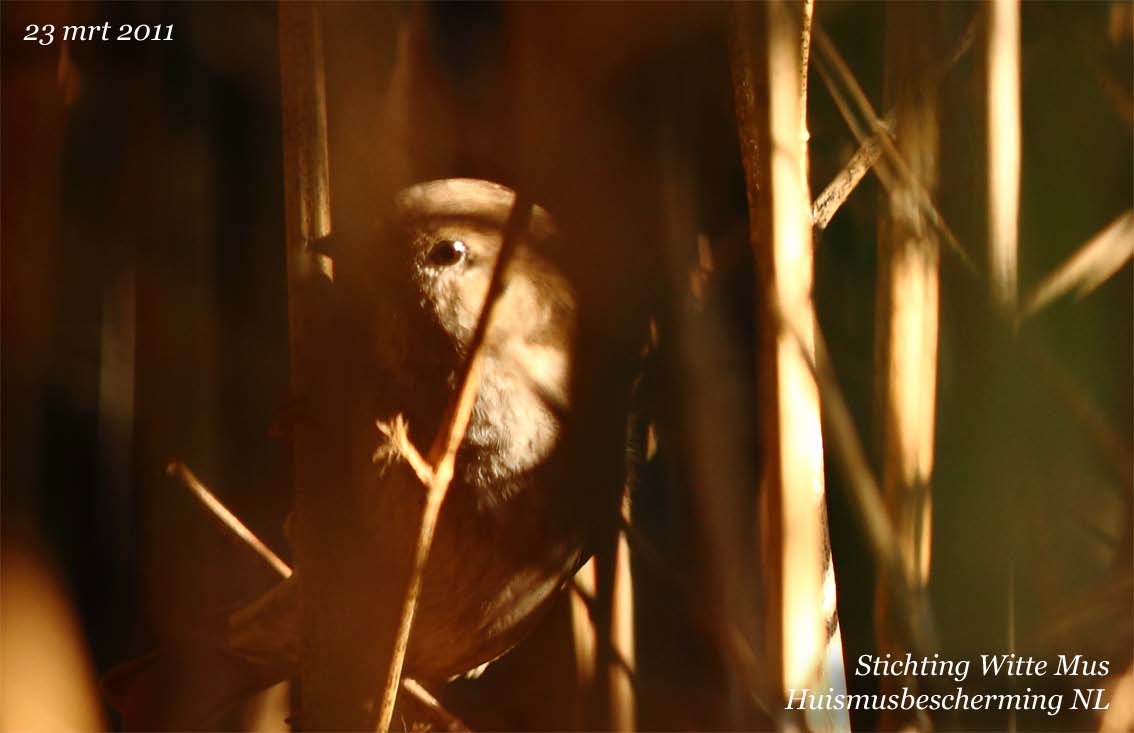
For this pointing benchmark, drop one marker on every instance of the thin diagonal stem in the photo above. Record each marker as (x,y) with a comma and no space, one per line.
(230,521)
(870,150)
(832,65)
(845,181)
(233,523)
(443,454)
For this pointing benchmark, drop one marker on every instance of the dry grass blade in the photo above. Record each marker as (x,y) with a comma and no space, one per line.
(443,454)
(1092,265)
(845,181)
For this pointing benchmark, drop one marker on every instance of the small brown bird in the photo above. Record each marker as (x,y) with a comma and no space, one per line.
(510,531)
(519,516)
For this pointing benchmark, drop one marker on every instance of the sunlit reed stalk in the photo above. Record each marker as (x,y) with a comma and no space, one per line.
(800,443)
(583,638)
(1003,149)
(831,673)
(908,311)
(582,594)
(906,318)
(623,703)
(1003,139)
(602,624)
(776,177)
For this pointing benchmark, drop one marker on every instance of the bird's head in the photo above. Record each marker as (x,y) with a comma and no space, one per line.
(443,245)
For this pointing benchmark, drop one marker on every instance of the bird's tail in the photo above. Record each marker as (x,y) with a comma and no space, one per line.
(186,687)
(191,683)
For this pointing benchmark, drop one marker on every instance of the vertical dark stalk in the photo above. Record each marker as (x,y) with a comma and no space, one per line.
(307,217)
(306,173)
(339,609)
(750,96)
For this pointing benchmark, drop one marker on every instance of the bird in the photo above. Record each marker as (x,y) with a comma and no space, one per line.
(521,514)
(514,524)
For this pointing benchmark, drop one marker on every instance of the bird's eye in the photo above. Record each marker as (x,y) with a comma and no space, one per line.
(448,252)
